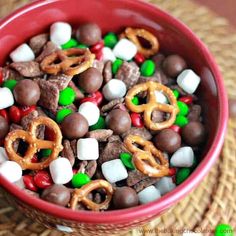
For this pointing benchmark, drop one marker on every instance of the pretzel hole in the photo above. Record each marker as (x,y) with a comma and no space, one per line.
(144,42)
(56,62)
(22,147)
(49,134)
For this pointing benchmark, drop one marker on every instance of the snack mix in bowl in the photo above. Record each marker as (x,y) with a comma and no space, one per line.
(92,122)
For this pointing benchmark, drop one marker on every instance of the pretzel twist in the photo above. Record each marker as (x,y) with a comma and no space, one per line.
(145,159)
(81,195)
(34,144)
(132,34)
(72,61)
(150,87)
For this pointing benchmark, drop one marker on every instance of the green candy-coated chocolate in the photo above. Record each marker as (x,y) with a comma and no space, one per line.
(70,44)
(101,124)
(224,230)
(116,65)
(79,180)
(11,83)
(66,97)
(148,68)
(126,159)
(176,93)
(81,45)
(135,100)
(181,121)
(46,152)
(110,40)
(183,108)
(62,114)
(182,174)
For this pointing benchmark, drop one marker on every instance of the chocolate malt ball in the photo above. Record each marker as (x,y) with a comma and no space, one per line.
(119,121)
(26,92)
(167,140)
(4,127)
(57,194)
(125,197)
(89,34)
(74,126)
(193,133)
(90,80)
(173,65)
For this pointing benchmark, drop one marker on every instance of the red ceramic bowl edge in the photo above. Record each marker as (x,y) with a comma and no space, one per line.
(170,198)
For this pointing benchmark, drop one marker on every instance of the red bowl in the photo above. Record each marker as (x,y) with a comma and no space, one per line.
(174,37)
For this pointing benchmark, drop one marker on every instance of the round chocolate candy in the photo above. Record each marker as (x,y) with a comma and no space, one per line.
(89,34)
(90,80)
(26,92)
(167,140)
(4,127)
(74,126)
(57,194)
(193,133)
(173,65)
(119,121)
(125,197)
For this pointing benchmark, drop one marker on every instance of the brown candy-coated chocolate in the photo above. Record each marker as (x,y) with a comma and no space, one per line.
(57,194)
(173,65)
(119,121)
(89,34)
(90,80)
(74,126)
(193,133)
(26,92)
(125,197)
(4,127)
(167,140)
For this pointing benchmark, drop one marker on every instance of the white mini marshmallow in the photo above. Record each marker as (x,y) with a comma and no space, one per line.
(125,49)
(148,194)
(87,149)
(114,171)
(108,55)
(6,98)
(114,89)
(165,185)
(61,170)
(160,97)
(60,33)
(65,229)
(11,170)
(188,80)
(90,111)
(183,157)
(3,155)
(22,53)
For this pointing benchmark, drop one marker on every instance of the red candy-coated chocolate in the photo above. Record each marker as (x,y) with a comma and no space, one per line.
(136,120)
(15,114)
(4,114)
(99,55)
(26,110)
(97,47)
(95,98)
(186,99)
(176,128)
(1,77)
(49,134)
(29,183)
(139,58)
(34,159)
(43,179)
(172,171)
(75,171)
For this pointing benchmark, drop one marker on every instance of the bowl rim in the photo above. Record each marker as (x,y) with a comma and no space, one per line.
(146,210)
